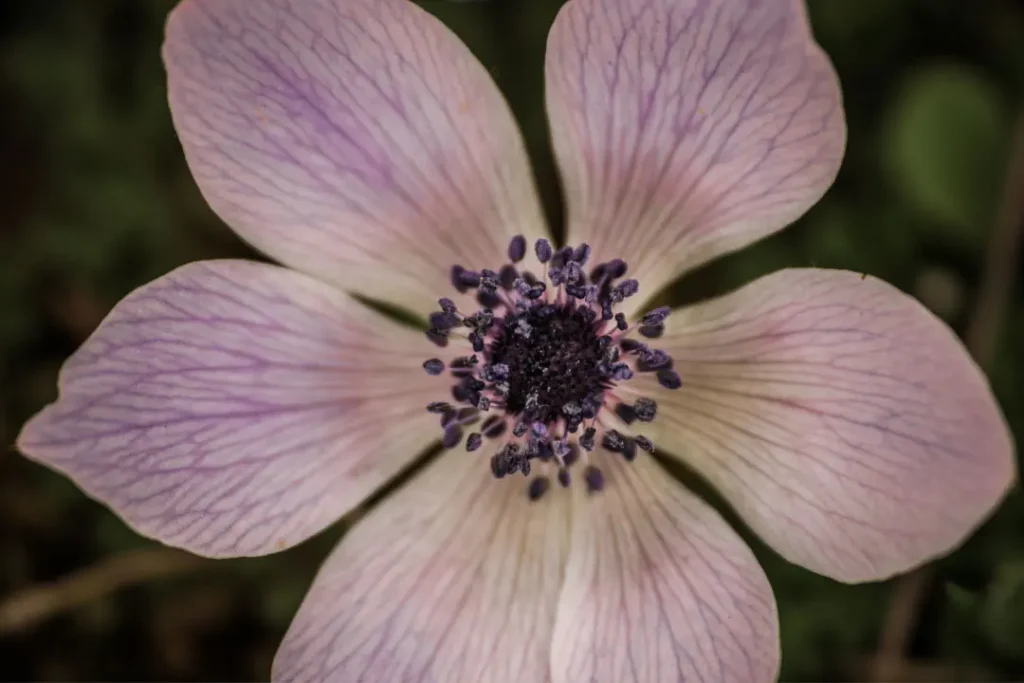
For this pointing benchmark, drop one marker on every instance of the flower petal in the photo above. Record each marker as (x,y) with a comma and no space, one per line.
(356,140)
(660,588)
(453,578)
(844,421)
(235,408)
(685,129)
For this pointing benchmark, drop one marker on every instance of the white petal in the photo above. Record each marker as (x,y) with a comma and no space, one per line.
(453,578)
(234,408)
(686,129)
(844,421)
(659,588)
(356,140)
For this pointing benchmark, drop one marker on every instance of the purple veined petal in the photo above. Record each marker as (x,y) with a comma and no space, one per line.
(844,422)
(356,140)
(235,408)
(685,129)
(659,588)
(455,577)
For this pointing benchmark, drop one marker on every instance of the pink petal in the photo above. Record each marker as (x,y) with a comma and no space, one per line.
(234,408)
(686,129)
(660,588)
(844,421)
(453,578)
(355,140)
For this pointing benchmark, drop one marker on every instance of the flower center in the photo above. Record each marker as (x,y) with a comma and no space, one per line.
(548,357)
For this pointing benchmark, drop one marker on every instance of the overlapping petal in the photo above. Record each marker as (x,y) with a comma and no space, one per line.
(685,129)
(659,588)
(235,408)
(356,140)
(453,578)
(844,421)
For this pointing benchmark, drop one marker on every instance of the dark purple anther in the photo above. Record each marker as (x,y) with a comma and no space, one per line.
(467,415)
(653,359)
(587,440)
(488,298)
(582,254)
(620,321)
(656,316)
(438,337)
(499,465)
(538,487)
(613,441)
(517,249)
(433,366)
(493,427)
(626,413)
(508,276)
(457,272)
(629,450)
(452,436)
(543,249)
(621,372)
(474,441)
(594,478)
(446,304)
(563,478)
(645,409)
(625,289)
(631,345)
(460,393)
(669,379)
(438,407)
(443,321)
(616,268)
(489,280)
(561,257)
(645,444)
(652,331)
(476,341)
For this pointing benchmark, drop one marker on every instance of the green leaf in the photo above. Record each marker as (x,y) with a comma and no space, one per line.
(945,145)
(1002,615)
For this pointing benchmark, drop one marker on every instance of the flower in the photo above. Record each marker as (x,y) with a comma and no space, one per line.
(236,408)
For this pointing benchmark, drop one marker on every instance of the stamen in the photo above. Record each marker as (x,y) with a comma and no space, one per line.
(594,478)
(645,409)
(452,436)
(538,487)
(669,379)
(517,249)
(547,353)
(543,249)
(563,478)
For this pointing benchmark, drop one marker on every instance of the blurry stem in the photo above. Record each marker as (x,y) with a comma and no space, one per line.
(980,337)
(35,604)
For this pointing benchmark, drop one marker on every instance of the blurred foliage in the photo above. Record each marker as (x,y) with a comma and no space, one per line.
(96,200)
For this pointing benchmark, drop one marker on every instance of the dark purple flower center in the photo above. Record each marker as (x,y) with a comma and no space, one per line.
(547,356)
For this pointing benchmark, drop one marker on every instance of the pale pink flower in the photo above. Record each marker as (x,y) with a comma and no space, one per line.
(234,408)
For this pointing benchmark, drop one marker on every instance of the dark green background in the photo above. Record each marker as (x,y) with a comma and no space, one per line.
(95,199)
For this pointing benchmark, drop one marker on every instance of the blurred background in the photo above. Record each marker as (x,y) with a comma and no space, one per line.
(95,200)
